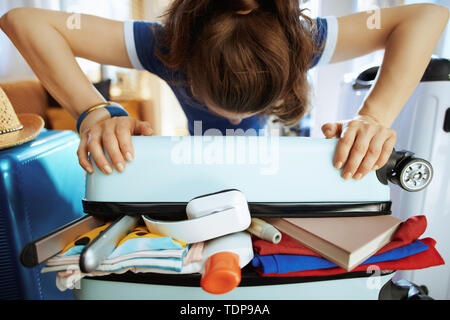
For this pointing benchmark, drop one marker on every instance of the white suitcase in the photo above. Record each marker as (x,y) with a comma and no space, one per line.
(304,183)
(160,184)
(424,127)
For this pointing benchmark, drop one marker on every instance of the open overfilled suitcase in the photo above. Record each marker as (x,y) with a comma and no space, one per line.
(41,184)
(422,126)
(280,177)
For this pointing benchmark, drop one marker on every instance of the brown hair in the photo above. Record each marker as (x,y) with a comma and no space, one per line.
(245,56)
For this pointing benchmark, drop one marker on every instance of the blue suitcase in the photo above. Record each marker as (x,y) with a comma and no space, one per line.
(41,187)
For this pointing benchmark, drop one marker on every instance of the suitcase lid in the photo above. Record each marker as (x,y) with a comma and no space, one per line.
(276,174)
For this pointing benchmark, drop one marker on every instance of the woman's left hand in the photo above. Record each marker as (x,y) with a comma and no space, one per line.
(364,145)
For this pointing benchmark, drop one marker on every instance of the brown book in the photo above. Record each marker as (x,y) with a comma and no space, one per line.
(347,242)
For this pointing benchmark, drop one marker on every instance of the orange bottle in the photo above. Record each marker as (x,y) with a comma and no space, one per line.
(223,259)
(222,273)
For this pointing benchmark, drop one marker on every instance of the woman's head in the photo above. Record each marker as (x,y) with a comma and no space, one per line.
(242,58)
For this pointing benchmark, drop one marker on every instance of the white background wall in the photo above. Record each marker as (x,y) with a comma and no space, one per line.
(12,65)
(328,79)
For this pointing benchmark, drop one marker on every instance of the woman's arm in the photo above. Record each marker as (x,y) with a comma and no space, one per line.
(49,43)
(50,47)
(409,35)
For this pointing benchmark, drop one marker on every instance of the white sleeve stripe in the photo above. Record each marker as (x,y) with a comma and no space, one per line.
(131,45)
(331,41)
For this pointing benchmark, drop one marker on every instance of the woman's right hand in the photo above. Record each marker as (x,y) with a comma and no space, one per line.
(112,136)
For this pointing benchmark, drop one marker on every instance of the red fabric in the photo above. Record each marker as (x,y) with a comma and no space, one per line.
(426,259)
(408,232)
(287,245)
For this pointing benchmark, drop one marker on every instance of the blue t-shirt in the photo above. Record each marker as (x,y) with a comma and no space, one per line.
(141,41)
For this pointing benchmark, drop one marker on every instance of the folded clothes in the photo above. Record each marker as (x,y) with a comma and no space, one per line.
(68,260)
(408,232)
(67,280)
(69,276)
(175,264)
(193,255)
(140,239)
(425,259)
(138,249)
(137,240)
(138,252)
(283,263)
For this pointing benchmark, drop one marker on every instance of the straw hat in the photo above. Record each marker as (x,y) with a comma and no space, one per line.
(16,129)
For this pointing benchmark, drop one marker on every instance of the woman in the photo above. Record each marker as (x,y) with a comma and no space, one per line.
(230,63)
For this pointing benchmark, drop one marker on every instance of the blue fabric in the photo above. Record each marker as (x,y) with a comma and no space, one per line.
(146,244)
(320,37)
(133,245)
(113,111)
(284,263)
(146,37)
